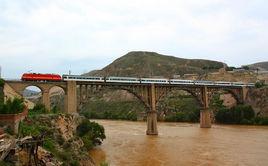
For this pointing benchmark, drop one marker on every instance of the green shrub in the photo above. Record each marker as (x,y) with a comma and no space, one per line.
(264,121)
(104,163)
(246,122)
(33,129)
(261,120)
(259,84)
(91,133)
(38,109)
(4,163)
(240,114)
(74,163)
(14,106)
(9,130)
(2,82)
(88,144)
(49,144)
(55,110)
(2,91)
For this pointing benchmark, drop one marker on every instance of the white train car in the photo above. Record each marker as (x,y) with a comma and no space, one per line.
(202,82)
(82,78)
(251,84)
(238,84)
(183,82)
(223,83)
(154,81)
(123,79)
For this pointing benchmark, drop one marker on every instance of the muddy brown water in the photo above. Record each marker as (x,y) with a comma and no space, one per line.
(182,144)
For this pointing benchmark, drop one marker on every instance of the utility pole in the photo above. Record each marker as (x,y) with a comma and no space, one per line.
(0,72)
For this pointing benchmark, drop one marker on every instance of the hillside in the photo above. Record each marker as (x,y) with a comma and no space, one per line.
(263,66)
(148,64)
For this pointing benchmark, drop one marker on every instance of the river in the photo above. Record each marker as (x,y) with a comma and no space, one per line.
(182,144)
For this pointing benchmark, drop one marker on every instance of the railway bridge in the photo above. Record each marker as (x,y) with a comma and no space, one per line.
(149,94)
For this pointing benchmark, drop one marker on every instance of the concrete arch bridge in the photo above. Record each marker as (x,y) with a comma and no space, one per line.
(149,94)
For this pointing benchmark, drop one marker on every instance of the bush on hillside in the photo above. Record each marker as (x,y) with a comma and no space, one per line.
(14,106)
(240,114)
(261,120)
(91,133)
(2,82)
(38,109)
(259,84)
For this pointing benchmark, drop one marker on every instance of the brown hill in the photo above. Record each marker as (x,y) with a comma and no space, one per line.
(262,66)
(149,64)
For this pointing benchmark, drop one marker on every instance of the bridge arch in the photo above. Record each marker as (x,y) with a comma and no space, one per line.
(233,92)
(33,94)
(95,90)
(32,86)
(179,101)
(57,98)
(196,93)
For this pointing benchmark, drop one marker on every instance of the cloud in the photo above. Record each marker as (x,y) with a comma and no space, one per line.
(56,35)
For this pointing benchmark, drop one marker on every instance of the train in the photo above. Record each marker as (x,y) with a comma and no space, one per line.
(133,80)
(40,77)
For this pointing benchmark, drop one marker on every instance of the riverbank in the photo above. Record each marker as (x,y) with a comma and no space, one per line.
(182,144)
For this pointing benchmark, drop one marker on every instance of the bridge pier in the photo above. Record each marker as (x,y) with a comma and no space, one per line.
(71,97)
(152,114)
(46,99)
(205,120)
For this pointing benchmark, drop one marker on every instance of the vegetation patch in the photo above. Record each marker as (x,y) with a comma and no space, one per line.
(240,114)
(180,108)
(122,110)
(72,150)
(14,106)
(2,82)
(91,133)
(259,84)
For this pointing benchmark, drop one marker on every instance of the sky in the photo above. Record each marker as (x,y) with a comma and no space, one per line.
(55,36)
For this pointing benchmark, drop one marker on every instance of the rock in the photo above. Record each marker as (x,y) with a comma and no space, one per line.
(258,99)
(66,125)
(47,158)
(228,100)
(50,164)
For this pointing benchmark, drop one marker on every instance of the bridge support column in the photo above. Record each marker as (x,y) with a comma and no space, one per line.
(152,114)
(71,97)
(46,100)
(205,120)
(244,93)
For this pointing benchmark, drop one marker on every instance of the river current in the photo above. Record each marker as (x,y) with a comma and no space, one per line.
(182,144)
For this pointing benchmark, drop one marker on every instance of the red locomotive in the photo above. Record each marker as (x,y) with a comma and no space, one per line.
(40,77)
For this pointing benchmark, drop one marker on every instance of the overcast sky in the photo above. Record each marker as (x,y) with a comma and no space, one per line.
(53,36)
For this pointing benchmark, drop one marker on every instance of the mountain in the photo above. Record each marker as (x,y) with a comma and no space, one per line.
(30,93)
(149,64)
(263,66)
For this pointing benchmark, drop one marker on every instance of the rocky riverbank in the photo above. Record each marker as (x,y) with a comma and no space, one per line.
(57,140)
